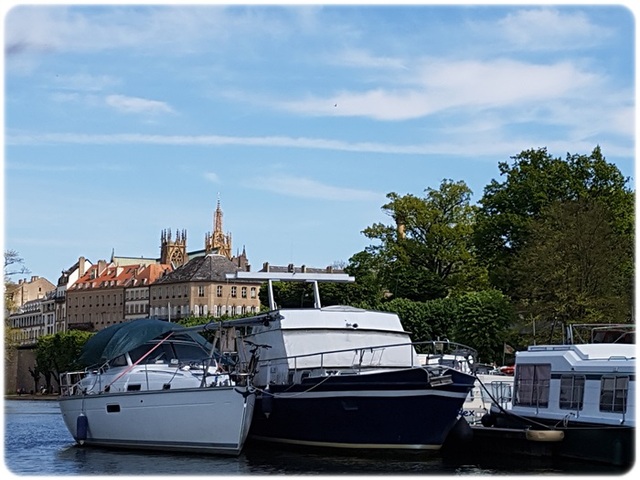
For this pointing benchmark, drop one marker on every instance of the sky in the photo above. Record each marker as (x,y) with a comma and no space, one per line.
(121,121)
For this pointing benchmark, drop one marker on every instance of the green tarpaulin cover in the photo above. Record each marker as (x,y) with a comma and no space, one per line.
(121,338)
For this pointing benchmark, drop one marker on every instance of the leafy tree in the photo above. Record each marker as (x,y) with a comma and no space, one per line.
(424,321)
(368,286)
(428,253)
(483,321)
(533,182)
(58,353)
(573,268)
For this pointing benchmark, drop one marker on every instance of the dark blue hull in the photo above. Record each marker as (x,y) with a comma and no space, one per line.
(392,410)
(599,443)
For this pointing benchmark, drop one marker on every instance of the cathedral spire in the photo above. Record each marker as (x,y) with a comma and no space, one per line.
(217,241)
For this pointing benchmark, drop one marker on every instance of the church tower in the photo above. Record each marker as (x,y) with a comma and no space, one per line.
(218,242)
(173,252)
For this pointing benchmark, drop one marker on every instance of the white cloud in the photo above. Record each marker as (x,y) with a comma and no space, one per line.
(439,85)
(301,187)
(359,58)
(126,104)
(480,146)
(212,177)
(550,29)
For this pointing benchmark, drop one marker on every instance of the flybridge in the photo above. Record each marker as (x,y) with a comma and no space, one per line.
(271,277)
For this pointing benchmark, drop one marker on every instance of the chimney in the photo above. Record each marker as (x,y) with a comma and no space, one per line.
(290,268)
(265,267)
(81,266)
(303,269)
(102,266)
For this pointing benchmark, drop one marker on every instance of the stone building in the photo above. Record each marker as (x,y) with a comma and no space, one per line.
(67,279)
(99,298)
(200,288)
(17,294)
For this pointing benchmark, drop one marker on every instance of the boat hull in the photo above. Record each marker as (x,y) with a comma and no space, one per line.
(205,420)
(390,410)
(607,444)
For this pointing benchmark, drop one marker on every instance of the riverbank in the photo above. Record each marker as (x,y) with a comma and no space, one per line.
(28,396)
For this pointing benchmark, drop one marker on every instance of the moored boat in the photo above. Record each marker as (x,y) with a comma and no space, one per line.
(579,399)
(156,385)
(343,377)
(492,386)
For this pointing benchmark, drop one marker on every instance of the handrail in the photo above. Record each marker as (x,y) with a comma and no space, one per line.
(464,349)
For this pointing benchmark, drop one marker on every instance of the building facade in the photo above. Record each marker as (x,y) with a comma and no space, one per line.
(100,298)
(17,294)
(200,288)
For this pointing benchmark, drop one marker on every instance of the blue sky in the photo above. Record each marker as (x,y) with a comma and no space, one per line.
(121,121)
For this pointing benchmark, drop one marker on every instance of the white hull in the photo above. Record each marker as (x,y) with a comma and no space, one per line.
(208,420)
(487,389)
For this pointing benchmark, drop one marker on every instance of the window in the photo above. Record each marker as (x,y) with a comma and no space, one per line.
(234,292)
(613,393)
(201,291)
(532,385)
(219,290)
(571,392)
(244,292)
(253,292)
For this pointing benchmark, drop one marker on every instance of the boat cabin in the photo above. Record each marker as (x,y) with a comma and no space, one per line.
(589,383)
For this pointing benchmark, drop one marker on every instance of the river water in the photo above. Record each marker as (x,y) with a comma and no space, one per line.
(37,443)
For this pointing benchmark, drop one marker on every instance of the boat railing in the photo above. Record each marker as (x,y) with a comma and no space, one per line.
(69,382)
(438,354)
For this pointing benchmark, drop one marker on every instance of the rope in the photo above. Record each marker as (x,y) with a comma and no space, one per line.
(293,395)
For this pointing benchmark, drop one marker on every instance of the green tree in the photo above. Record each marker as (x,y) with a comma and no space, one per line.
(58,353)
(533,181)
(428,252)
(573,268)
(483,321)
(368,286)
(425,321)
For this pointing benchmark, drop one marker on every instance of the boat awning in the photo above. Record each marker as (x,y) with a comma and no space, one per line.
(121,338)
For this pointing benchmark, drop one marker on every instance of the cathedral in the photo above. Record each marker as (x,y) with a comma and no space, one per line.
(173,251)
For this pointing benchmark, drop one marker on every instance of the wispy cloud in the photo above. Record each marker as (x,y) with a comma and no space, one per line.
(439,84)
(549,29)
(485,145)
(126,104)
(212,177)
(302,187)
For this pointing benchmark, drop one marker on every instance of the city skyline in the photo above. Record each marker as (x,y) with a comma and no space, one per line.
(122,121)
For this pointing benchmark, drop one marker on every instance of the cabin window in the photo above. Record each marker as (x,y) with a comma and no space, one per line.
(571,392)
(120,361)
(532,385)
(613,393)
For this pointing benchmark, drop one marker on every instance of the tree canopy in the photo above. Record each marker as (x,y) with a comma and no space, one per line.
(427,252)
(533,182)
